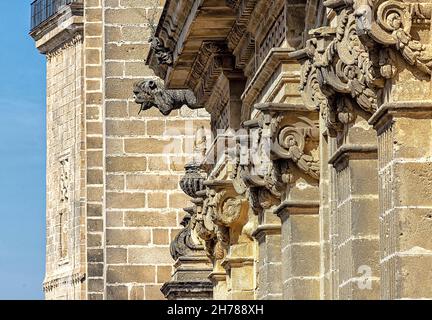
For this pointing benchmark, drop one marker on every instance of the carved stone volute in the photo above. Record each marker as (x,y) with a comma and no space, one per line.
(185,243)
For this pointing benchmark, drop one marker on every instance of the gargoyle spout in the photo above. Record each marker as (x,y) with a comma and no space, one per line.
(152,93)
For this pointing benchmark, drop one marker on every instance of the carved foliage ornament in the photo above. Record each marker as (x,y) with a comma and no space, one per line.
(291,144)
(152,93)
(349,72)
(346,68)
(393,24)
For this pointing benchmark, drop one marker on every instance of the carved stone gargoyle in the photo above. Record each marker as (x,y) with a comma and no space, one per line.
(152,93)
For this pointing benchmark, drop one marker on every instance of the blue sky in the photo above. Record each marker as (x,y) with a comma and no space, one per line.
(22,161)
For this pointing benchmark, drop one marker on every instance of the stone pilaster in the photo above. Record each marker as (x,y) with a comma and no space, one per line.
(404,134)
(300,250)
(268,236)
(356,201)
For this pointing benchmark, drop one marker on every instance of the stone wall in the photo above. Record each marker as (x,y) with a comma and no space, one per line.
(145,155)
(65,226)
(113,198)
(94,166)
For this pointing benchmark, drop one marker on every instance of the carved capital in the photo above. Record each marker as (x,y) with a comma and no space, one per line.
(347,66)
(293,143)
(393,27)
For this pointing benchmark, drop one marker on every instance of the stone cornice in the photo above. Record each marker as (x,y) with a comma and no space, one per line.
(281,107)
(349,152)
(290,207)
(266,229)
(188,289)
(59,29)
(73,279)
(403,108)
(184,25)
(170,24)
(70,43)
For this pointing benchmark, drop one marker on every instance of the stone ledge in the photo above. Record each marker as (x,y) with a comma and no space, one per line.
(53,34)
(408,108)
(182,290)
(352,152)
(297,207)
(274,59)
(266,229)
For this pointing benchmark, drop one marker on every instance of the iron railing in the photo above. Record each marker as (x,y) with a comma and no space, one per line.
(42,10)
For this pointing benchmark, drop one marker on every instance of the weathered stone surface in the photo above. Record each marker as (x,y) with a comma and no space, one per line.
(330,192)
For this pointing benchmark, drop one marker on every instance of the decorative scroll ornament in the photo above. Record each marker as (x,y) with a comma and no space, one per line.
(152,93)
(163,54)
(393,26)
(222,208)
(184,243)
(346,69)
(291,144)
(348,65)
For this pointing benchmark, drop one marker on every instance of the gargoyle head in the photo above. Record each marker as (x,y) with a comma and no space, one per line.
(145,92)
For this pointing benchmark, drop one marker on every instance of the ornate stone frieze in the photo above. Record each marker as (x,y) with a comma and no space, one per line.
(212,60)
(152,93)
(240,40)
(70,280)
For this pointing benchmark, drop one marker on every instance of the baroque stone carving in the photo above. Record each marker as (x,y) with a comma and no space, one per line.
(222,208)
(152,93)
(394,20)
(347,68)
(348,65)
(261,175)
(163,54)
(291,144)
(184,243)
(193,180)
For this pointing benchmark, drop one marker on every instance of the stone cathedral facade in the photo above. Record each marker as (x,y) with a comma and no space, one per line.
(238,149)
